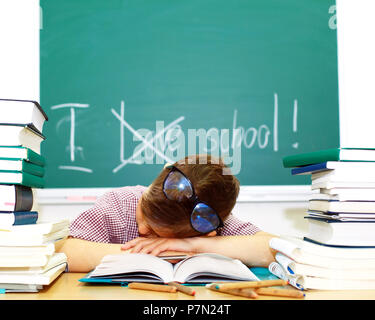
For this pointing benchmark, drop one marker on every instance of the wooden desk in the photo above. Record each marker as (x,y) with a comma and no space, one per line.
(67,287)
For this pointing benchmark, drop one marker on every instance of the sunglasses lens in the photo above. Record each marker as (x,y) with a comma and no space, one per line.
(204,219)
(177,187)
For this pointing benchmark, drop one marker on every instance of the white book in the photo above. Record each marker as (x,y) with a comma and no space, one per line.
(30,239)
(26,260)
(306,282)
(359,217)
(17,165)
(20,287)
(54,260)
(339,176)
(46,249)
(343,196)
(310,253)
(341,233)
(22,112)
(341,184)
(16,198)
(339,166)
(347,191)
(200,268)
(301,269)
(21,153)
(45,278)
(39,227)
(13,135)
(309,282)
(342,206)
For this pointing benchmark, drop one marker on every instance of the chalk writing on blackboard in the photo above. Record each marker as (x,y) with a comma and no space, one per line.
(137,135)
(72,148)
(170,143)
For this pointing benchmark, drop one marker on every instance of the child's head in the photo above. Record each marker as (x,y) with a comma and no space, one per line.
(170,218)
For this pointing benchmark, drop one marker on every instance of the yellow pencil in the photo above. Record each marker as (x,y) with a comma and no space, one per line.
(152,287)
(280,292)
(247,293)
(182,288)
(251,284)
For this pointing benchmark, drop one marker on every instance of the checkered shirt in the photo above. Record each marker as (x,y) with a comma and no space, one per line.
(112,219)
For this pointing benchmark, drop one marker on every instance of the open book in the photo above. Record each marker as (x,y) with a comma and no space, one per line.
(200,268)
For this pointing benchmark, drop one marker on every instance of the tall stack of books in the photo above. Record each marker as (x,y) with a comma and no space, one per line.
(26,244)
(340,244)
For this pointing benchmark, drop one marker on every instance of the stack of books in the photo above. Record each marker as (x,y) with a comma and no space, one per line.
(23,239)
(21,164)
(28,259)
(307,265)
(341,220)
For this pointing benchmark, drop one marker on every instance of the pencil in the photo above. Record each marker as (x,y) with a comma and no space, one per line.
(251,284)
(152,287)
(182,288)
(280,292)
(247,293)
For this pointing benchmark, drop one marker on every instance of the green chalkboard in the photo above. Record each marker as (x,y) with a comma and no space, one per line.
(130,84)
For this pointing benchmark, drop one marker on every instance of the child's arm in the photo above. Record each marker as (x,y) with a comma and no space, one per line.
(83,255)
(252,250)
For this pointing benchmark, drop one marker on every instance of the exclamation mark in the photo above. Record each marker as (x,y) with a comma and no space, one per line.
(275,122)
(295,128)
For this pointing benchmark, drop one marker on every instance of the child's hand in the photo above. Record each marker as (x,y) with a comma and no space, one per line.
(155,246)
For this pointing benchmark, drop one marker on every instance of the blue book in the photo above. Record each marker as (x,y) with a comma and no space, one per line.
(310,169)
(14,218)
(347,167)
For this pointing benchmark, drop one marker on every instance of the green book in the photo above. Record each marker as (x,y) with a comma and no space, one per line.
(21,166)
(22,178)
(335,154)
(21,153)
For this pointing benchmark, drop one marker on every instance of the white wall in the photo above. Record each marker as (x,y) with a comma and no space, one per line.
(19,49)
(356,57)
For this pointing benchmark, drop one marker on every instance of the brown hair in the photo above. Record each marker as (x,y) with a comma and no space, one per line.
(212,184)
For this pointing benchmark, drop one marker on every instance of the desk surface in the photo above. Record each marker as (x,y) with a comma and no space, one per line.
(67,287)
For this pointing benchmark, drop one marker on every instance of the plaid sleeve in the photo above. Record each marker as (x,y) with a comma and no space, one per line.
(92,224)
(235,227)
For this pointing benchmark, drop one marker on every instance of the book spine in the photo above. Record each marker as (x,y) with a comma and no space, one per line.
(32,101)
(24,198)
(25,217)
(309,169)
(311,158)
(35,158)
(33,168)
(22,217)
(32,181)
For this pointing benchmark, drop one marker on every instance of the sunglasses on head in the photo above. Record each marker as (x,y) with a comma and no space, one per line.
(177,187)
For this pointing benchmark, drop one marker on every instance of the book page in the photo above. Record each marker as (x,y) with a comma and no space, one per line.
(210,266)
(133,263)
